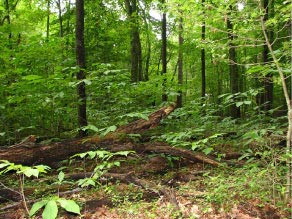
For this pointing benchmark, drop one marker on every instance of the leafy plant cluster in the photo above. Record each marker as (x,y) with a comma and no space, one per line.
(50,204)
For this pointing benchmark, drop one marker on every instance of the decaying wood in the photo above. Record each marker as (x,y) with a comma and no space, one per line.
(179,152)
(129,178)
(51,153)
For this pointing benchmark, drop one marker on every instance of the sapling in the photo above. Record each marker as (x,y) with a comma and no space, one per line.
(22,172)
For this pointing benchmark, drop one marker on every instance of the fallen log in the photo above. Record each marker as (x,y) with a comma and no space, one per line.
(28,152)
(129,178)
(179,152)
(32,154)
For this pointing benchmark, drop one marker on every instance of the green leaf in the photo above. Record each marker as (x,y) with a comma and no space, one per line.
(32,77)
(207,150)
(51,210)
(36,206)
(61,176)
(4,163)
(109,129)
(238,104)
(87,82)
(42,168)
(69,205)
(92,154)
(103,154)
(28,171)
(90,127)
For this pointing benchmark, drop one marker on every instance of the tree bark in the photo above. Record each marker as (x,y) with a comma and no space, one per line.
(233,69)
(48,20)
(7,7)
(61,33)
(203,60)
(288,191)
(80,59)
(164,51)
(180,61)
(267,98)
(49,154)
(136,50)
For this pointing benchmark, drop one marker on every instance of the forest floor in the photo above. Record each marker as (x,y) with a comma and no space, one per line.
(250,184)
(199,191)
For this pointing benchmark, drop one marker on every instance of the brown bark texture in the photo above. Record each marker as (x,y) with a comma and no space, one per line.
(28,153)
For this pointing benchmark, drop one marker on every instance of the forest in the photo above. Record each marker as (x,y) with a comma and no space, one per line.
(134,109)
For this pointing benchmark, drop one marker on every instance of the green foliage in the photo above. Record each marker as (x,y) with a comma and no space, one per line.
(249,182)
(51,207)
(101,167)
(22,170)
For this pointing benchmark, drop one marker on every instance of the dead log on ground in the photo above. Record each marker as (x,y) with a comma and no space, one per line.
(29,154)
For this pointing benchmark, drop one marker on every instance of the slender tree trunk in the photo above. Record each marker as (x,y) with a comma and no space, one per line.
(203,58)
(60,17)
(68,24)
(164,51)
(48,20)
(7,7)
(136,50)
(80,58)
(288,194)
(233,69)
(180,61)
(148,45)
(268,79)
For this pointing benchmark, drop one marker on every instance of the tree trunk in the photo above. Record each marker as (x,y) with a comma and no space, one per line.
(80,58)
(203,60)
(233,69)
(268,79)
(32,153)
(60,17)
(7,7)
(148,45)
(288,191)
(164,51)
(48,20)
(136,50)
(180,61)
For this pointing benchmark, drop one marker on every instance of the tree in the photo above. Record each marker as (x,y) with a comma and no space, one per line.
(267,95)
(203,61)
(233,69)
(58,2)
(136,50)
(164,50)
(48,19)
(180,60)
(80,59)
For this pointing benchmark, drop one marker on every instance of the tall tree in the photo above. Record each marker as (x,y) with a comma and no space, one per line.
(48,19)
(145,13)
(180,60)
(233,68)
(164,50)
(267,98)
(203,58)
(7,17)
(61,32)
(136,50)
(80,59)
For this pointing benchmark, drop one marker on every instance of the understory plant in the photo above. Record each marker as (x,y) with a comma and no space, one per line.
(103,164)
(50,204)
(22,172)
